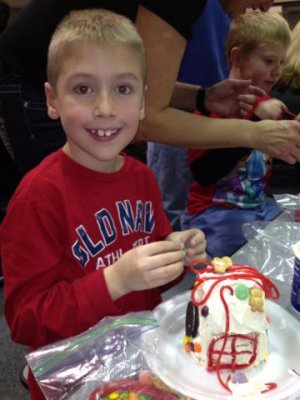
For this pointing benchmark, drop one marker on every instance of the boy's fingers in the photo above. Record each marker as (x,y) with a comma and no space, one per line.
(168,273)
(167,259)
(162,246)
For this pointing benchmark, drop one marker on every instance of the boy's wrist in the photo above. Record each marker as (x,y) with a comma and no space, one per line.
(114,286)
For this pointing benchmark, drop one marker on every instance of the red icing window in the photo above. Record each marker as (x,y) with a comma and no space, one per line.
(240,352)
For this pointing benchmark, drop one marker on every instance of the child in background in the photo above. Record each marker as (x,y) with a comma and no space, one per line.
(85,235)
(229,184)
(286,178)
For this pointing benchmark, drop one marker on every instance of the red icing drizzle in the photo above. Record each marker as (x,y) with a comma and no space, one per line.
(227,326)
(235,272)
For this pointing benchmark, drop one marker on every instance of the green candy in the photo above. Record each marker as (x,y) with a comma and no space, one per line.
(124,395)
(241,292)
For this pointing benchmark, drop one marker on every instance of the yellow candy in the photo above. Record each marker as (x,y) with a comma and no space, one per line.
(221,264)
(113,396)
(186,340)
(227,261)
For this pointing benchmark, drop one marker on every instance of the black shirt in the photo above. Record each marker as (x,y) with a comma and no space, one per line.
(24,43)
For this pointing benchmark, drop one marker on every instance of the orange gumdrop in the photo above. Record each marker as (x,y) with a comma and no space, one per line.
(197,347)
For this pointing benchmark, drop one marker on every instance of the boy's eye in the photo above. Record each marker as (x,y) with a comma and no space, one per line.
(124,89)
(83,89)
(269,61)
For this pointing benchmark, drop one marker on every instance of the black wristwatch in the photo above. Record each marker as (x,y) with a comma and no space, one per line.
(200,102)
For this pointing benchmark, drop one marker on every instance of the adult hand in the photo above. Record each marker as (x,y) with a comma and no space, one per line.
(145,267)
(232,97)
(270,109)
(279,139)
(193,242)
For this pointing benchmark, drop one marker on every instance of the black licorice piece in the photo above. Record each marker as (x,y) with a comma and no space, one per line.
(191,320)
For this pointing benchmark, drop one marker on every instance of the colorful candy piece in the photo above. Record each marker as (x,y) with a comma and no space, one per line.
(256,300)
(241,291)
(204,311)
(239,377)
(221,264)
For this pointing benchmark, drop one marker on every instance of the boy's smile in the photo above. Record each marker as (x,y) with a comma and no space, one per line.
(99,97)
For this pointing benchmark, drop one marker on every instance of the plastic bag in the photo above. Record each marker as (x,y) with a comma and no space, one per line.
(269,248)
(104,361)
(290,203)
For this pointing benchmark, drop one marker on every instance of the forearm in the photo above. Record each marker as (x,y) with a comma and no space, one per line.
(44,316)
(180,128)
(184,96)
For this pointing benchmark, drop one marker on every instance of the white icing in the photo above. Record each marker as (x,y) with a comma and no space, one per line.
(253,387)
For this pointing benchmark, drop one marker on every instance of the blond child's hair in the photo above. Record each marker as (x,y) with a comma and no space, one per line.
(254,28)
(290,76)
(91,26)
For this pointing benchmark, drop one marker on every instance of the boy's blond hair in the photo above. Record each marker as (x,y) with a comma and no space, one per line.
(91,26)
(254,28)
(290,76)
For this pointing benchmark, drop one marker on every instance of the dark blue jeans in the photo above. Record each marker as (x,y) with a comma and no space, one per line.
(32,134)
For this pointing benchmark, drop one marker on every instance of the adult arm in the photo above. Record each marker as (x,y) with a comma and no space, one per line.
(166,124)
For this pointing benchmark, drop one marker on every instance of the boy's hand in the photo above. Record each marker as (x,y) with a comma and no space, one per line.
(270,109)
(145,267)
(193,241)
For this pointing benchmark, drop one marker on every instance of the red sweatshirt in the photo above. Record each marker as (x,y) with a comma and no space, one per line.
(64,225)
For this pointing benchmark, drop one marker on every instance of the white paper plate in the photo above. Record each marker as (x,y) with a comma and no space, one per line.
(167,358)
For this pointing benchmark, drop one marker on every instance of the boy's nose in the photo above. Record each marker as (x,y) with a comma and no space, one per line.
(277,71)
(104,105)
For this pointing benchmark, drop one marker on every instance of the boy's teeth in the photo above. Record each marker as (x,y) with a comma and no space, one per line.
(102,133)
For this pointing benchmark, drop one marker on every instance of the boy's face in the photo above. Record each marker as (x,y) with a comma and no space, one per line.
(99,97)
(262,65)
(237,7)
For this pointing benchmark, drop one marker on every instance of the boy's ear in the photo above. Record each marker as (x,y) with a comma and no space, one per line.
(51,101)
(142,110)
(235,57)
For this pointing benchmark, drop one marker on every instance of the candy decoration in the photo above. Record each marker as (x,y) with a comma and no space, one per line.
(197,347)
(131,389)
(192,320)
(204,311)
(239,377)
(187,344)
(256,300)
(241,291)
(221,264)
(125,395)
